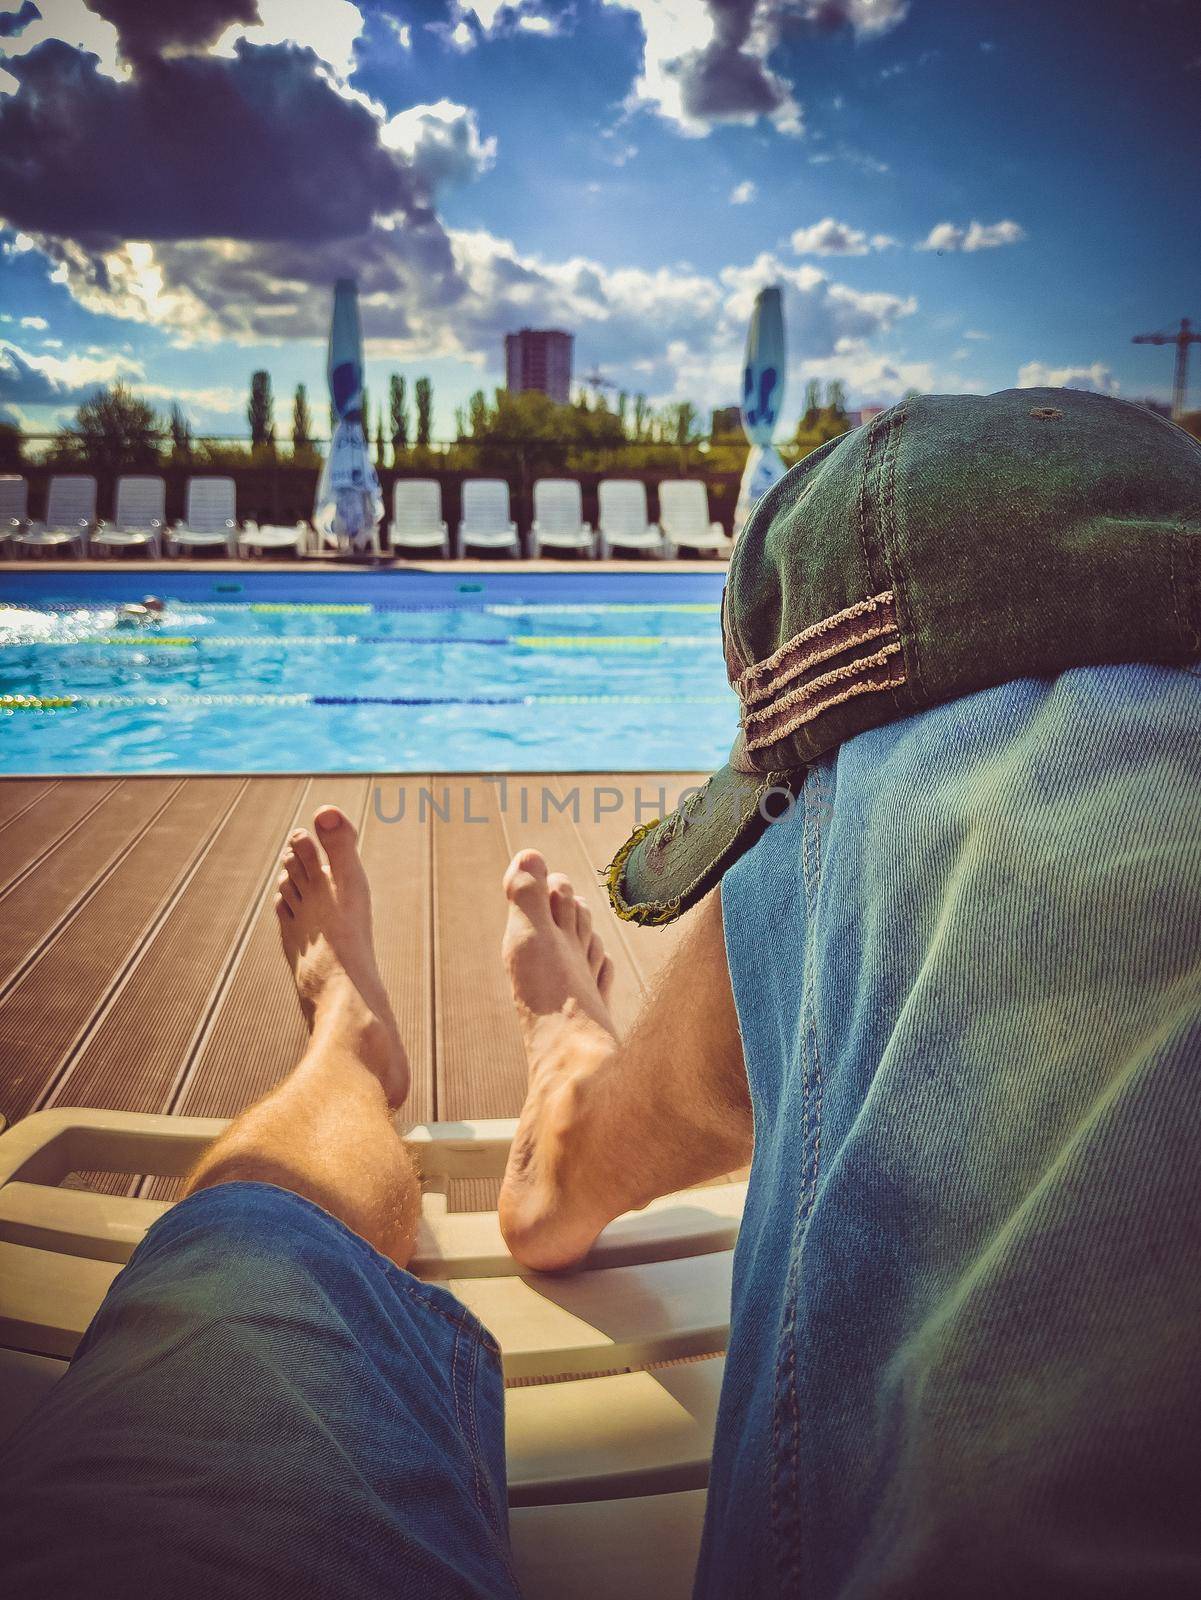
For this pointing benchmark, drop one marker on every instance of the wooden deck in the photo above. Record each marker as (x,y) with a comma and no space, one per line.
(139,959)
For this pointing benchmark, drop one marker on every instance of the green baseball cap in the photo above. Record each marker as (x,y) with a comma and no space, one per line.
(953,543)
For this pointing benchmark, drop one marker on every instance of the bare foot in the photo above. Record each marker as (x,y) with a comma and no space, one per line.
(553,1201)
(323,903)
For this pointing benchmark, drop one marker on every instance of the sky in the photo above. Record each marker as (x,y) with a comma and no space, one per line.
(954,194)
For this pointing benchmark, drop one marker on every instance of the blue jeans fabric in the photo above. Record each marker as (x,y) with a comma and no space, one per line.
(264,1406)
(966,1346)
(967,1303)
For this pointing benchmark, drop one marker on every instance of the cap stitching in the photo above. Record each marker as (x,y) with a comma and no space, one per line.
(814,699)
(748,687)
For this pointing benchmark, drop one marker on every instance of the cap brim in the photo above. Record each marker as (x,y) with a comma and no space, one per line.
(668,865)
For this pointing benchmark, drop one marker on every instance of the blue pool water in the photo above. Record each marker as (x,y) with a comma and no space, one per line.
(341,672)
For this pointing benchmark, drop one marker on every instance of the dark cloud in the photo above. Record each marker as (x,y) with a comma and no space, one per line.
(23,384)
(148,27)
(15,22)
(257,146)
(725,79)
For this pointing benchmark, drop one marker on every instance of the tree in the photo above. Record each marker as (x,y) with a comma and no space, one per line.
(113,431)
(10,447)
(641,417)
(423,393)
(180,430)
(836,396)
(366,414)
(380,444)
(813,397)
(623,406)
(260,412)
(683,420)
(302,422)
(399,410)
(460,424)
(478,414)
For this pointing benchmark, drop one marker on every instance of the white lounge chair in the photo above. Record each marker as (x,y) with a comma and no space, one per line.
(559,518)
(684,517)
(417,521)
(258,537)
(486,523)
(70,515)
(139,518)
(211,518)
(14,504)
(607,1467)
(623,519)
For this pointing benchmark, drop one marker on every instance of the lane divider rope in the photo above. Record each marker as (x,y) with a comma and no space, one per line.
(107,702)
(239,641)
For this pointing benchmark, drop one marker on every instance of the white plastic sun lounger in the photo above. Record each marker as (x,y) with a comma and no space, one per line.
(211,518)
(70,515)
(257,536)
(417,522)
(139,519)
(559,518)
(607,1466)
(486,523)
(14,504)
(624,523)
(684,517)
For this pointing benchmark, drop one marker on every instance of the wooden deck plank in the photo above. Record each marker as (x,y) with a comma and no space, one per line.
(34,832)
(17,795)
(55,999)
(137,1048)
(34,907)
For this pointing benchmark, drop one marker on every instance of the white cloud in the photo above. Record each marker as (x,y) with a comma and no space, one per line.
(743,193)
(1098,378)
(705,62)
(951,236)
(402,31)
(974,333)
(72,22)
(38,323)
(328,27)
(441,142)
(831,238)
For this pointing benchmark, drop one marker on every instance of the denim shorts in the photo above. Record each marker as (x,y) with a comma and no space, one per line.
(264,1406)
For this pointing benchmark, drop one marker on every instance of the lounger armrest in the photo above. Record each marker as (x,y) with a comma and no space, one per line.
(250,525)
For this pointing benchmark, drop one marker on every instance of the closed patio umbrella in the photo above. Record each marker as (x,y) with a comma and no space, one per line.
(349,503)
(762,400)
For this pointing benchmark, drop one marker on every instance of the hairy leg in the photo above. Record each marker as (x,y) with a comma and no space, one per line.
(608,1125)
(327,1132)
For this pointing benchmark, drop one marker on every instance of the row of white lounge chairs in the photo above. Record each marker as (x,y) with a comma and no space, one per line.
(417,524)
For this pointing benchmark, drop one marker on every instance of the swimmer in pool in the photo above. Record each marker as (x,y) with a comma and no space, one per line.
(141,614)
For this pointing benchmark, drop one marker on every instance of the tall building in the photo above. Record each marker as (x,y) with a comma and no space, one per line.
(539,358)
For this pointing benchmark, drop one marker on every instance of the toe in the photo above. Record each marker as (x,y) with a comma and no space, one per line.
(282,909)
(304,847)
(604,978)
(340,841)
(596,954)
(297,875)
(287,890)
(525,882)
(583,921)
(562,901)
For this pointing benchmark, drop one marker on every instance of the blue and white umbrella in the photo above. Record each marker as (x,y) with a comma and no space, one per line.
(349,501)
(762,400)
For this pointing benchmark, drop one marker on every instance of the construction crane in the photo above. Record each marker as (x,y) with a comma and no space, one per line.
(1182,338)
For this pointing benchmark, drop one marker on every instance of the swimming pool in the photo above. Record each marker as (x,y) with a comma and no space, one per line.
(363,672)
